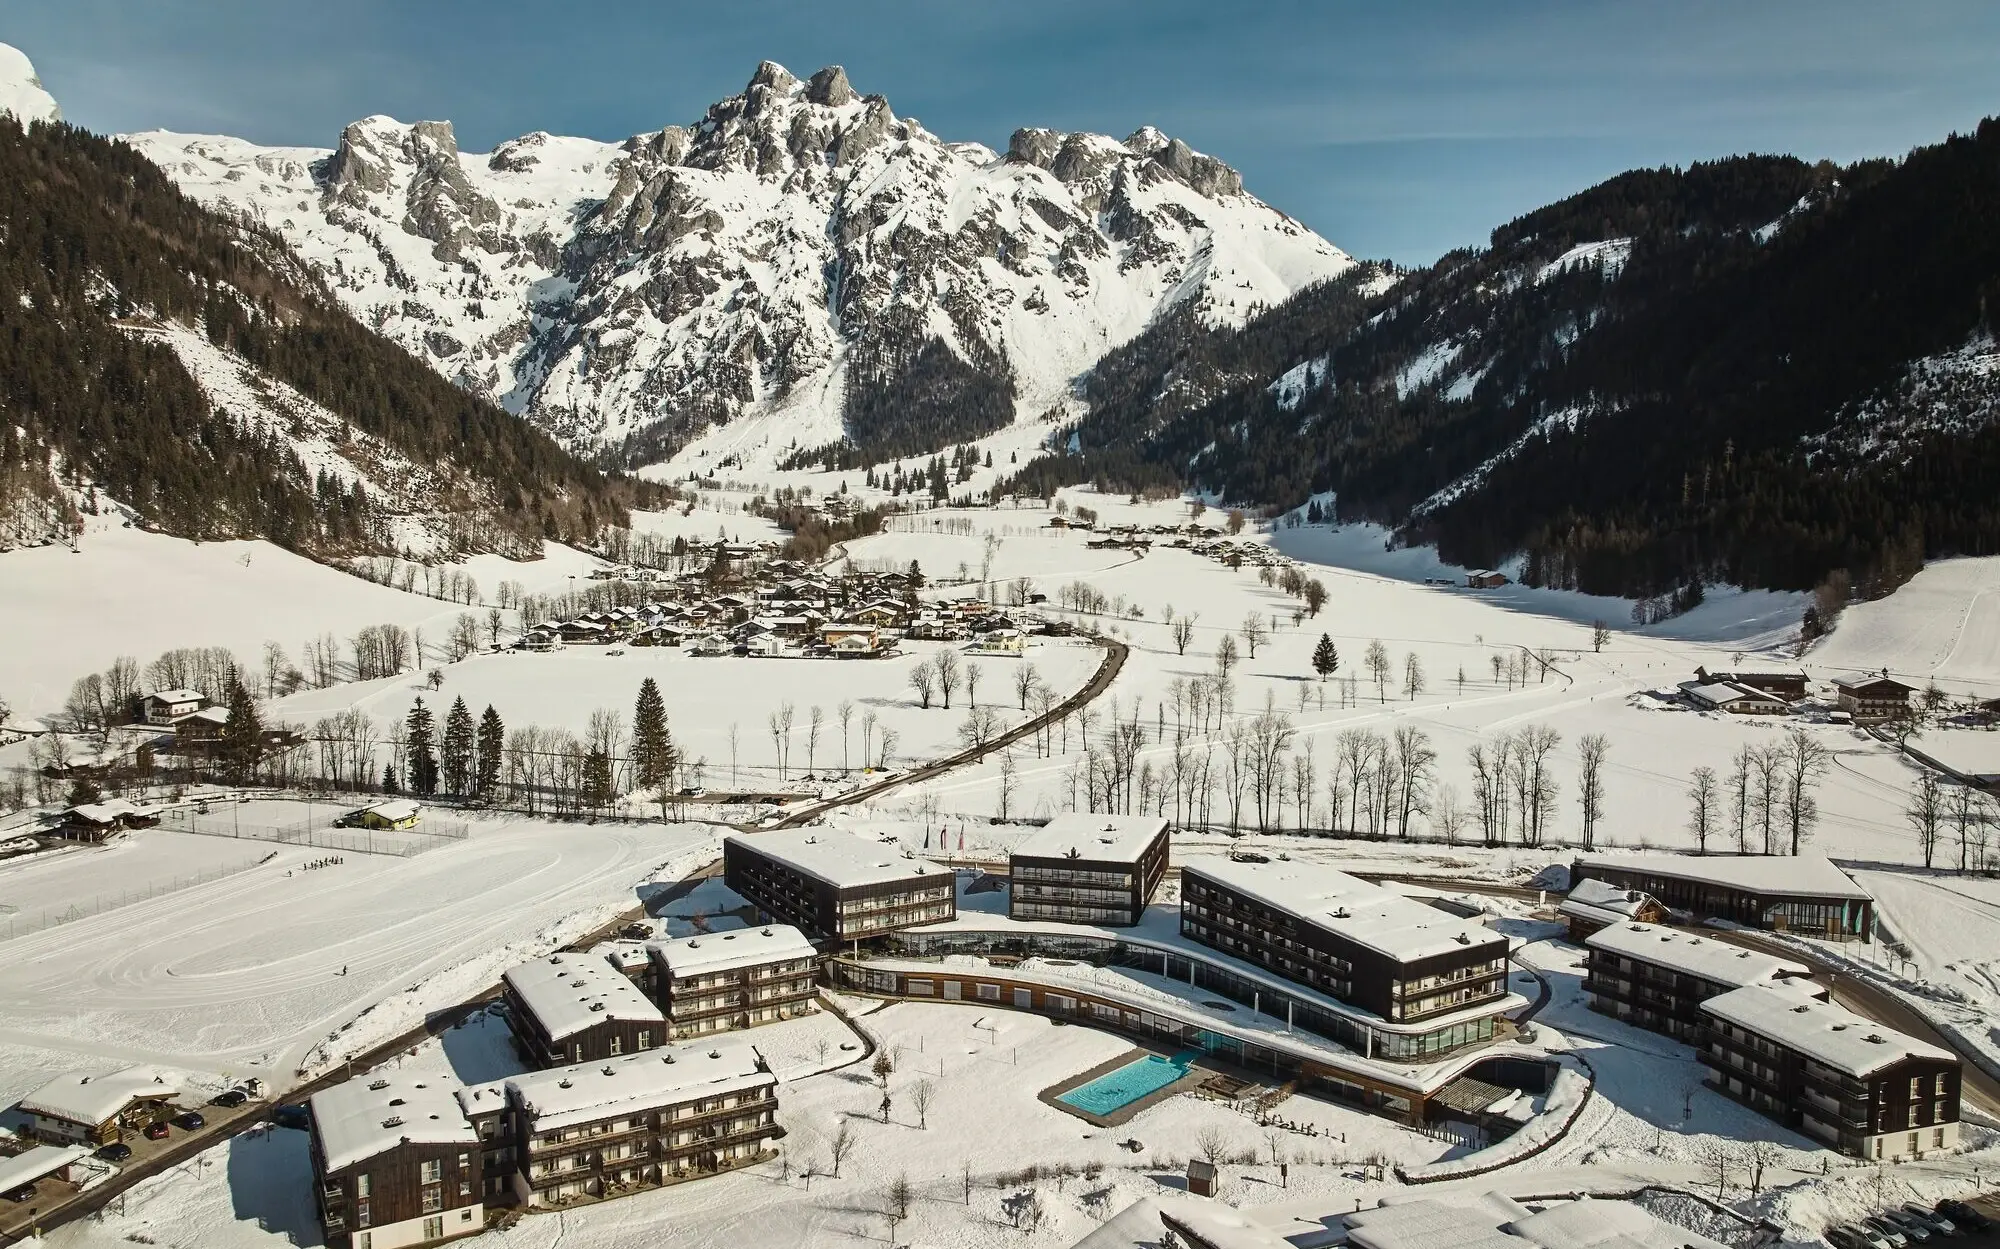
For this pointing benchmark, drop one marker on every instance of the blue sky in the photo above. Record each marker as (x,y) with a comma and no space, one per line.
(1397,130)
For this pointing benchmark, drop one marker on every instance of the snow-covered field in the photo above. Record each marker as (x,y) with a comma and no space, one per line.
(705,697)
(281,968)
(245,973)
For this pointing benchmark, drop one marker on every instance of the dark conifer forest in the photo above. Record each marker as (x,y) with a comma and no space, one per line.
(94,239)
(1704,403)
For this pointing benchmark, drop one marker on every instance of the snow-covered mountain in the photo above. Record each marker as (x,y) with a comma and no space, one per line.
(732,289)
(21,92)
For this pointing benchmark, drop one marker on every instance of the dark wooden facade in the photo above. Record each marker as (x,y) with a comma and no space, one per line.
(1829,917)
(1079,890)
(843,913)
(1400,991)
(607,1038)
(411,1194)
(1905,1110)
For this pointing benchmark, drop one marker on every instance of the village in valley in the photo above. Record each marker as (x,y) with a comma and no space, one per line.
(1157,874)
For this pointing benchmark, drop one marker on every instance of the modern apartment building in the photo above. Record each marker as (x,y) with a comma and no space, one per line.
(1657,978)
(1088,869)
(572,1008)
(1397,958)
(837,885)
(394,1163)
(597,1130)
(1862,1088)
(722,980)
(1801,893)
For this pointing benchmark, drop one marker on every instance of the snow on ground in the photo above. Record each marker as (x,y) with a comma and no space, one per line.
(705,697)
(129,592)
(1654,745)
(281,967)
(1941,950)
(1944,624)
(985,1069)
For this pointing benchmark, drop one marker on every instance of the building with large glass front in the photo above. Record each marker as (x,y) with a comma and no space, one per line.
(1801,893)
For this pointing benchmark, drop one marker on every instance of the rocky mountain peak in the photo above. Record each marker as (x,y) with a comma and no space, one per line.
(21,92)
(829,87)
(790,257)
(1077,157)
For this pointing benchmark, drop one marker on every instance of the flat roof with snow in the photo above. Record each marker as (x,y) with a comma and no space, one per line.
(370,1115)
(1822,1031)
(1350,908)
(1494,1221)
(564,1096)
(1706,957)
(95,1099)
(712,952)
(1801,875)
(567,993)
(1107,838)
(841,859)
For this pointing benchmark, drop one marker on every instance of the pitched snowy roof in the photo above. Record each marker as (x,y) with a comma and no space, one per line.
(1801,875)
(369,1115)
(1706,957)
(1831,1034)
(567,993)
(1604,902)
(1349,907)
(107,811)
(94,1099)
(1723,693)
(841,859)
(177,696)
(395,809)
(42,1160)
(1111,838)
(584,1093)
(722,951)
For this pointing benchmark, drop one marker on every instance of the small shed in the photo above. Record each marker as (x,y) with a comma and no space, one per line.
(1201,1177)
(396,814)
(1485,579)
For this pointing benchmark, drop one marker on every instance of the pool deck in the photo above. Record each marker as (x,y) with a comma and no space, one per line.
(1188,1083)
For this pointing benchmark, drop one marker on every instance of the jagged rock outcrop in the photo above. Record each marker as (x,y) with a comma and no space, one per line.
(797,246)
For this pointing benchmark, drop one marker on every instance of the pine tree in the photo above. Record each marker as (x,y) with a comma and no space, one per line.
(455,756)
(597,780)
(1326,659)
(242,740)
(388,778)
(492,740)
(420,751)
(652,745)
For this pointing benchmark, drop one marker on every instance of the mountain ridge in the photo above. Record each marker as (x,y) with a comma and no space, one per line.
(801,251)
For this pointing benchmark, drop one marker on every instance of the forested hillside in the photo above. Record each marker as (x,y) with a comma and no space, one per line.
(1753,371)
(96,242)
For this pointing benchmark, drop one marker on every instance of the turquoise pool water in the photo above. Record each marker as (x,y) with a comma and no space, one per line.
(1127,1084)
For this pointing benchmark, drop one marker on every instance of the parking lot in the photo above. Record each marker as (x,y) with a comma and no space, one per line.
(1899,1228)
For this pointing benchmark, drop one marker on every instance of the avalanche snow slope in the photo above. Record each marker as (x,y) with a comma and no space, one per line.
(696,275)
(21,92)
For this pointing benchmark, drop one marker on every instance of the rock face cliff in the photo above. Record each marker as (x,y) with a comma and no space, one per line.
(798,267)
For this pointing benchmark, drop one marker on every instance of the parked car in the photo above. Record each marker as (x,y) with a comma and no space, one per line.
(116,1151)
(232,1098)
(1916,1231)
(1886,1230)
(22,1193)
(190,1121)
(158,1130)
(1965,1216)
(292,1117)
(1847,1236)
(1937,1223)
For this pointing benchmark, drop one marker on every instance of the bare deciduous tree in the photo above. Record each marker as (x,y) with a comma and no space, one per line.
(1701,794)
(923,679)
(1182,633)
(841,1145)
(1591,750)
(922,1094)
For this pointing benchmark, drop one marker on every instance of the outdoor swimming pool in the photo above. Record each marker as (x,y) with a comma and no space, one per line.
(1119,1088)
